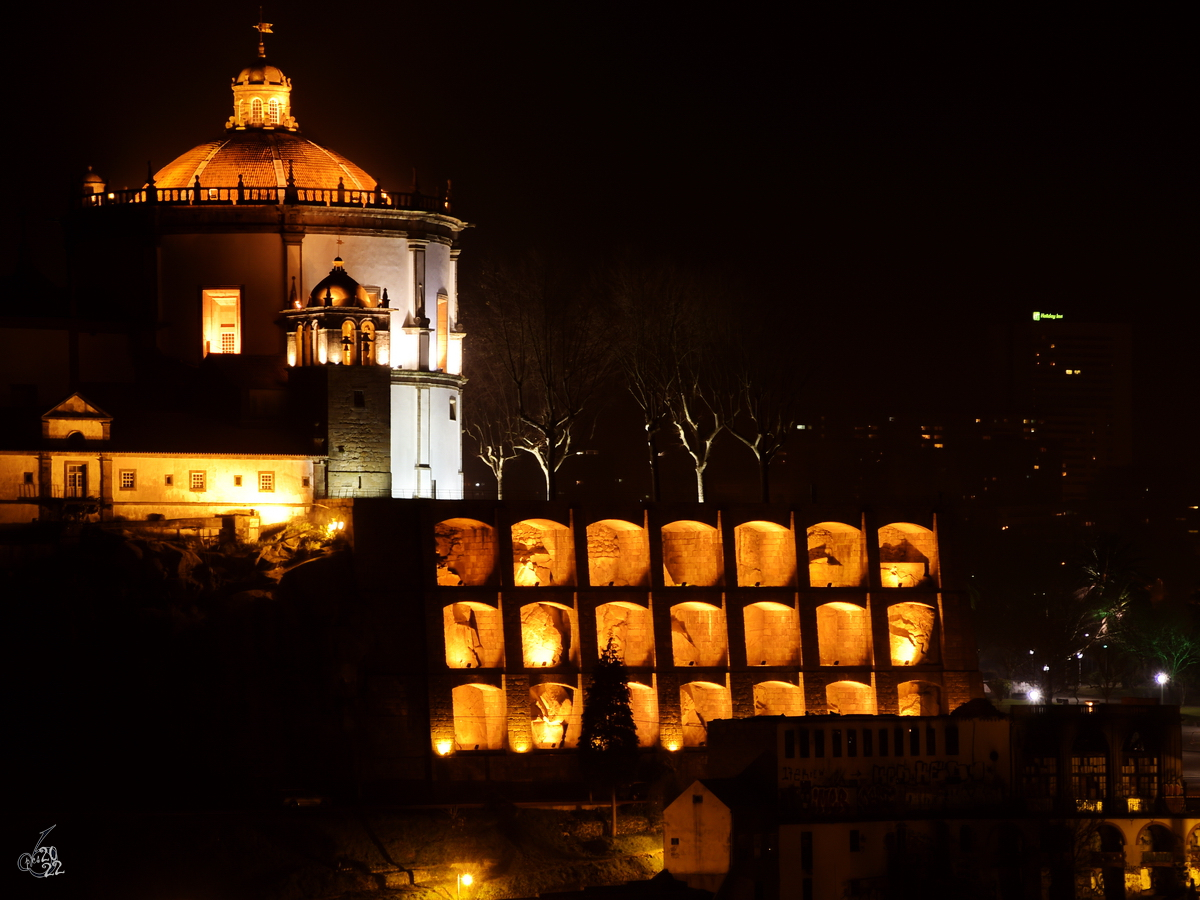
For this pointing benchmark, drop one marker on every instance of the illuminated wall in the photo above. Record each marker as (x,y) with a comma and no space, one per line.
(919,698)
(466,552)
(701,702)
(912,631)
(548,635)
(778,698)
(643,701)
(631,629)
(692,555)
(844,634)
(766,555)
(543,554)
(850,698)
(698,636)
(908,556)
(618,554)
(474,634)
(772,635)
(478,717)
(835,555)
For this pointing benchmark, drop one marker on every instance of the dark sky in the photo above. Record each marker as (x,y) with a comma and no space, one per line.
(907,180)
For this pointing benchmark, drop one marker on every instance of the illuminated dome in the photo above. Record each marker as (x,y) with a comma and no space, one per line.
(261,72)
(340,289)
(263,159)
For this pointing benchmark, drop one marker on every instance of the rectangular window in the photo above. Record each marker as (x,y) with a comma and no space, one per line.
(802,736)
(899,742)
(819,744)
(197,481)
(789,744)
(237,480)
(304,482)
(443,330)
(76,480)
(360,400)
(28,478)
(855,840)
(952,740)
(697,798)
(883,742)
(930,741)
(168,480)
(835,742)
(127,479)
(914,741)
(868,735)
(852,742)
(453,409)
(806,851)
(222,311)
(266,482)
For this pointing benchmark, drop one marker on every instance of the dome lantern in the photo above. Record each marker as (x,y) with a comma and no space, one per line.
(262,93)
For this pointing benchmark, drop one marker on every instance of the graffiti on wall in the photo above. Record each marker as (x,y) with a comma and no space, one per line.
(916,785)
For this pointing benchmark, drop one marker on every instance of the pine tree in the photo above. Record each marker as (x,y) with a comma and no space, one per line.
(608,743)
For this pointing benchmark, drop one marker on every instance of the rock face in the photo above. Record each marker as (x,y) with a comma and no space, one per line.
(631,630)
(474,636)
(466,552)
(919,698)
(698,635)
(542,555)
(552,713)
(545,635)
(619,557)
(911,626)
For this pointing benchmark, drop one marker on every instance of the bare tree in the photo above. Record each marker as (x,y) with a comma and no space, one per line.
(537,330)
(768,384)
(491,417)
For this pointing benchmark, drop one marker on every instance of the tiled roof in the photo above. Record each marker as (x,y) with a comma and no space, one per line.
(262,158)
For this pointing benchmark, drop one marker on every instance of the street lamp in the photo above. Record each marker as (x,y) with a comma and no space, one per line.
(463,878)
(1162,678)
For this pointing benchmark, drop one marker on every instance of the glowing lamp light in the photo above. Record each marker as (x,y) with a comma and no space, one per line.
(444,747)
(521,747)
(1161,678)
(1035,696)
(467,879)
(672,746)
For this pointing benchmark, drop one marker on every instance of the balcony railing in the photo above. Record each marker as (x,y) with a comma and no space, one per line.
(1108,859)
(1158,858)
(260,196)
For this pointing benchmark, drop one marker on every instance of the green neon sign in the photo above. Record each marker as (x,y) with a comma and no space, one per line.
(1038,316)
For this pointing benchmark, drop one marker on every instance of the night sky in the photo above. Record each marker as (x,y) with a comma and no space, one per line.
(908,181)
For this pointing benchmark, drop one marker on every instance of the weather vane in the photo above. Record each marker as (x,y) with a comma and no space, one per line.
(262,28)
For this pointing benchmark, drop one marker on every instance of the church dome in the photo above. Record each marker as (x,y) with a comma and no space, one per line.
(261,72)
(263,159)
(341,290)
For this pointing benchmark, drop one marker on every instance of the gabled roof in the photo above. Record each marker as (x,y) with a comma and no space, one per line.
(77,407)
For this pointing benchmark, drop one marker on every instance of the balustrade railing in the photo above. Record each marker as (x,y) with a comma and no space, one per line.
(259,196)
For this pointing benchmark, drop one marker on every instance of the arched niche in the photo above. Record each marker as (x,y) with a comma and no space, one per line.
(643,701)
(835,555)
(1106,853)
(466,552)
(766,555)
(912,629)
(692,555)
(631,630)
(919,698)
(543,554)
(474,635)
(548,635)
(1193,854)
(778,698)
(698,635)
(908,556)
(843,634)
(772,635)
(1158,852)
(618,554)
(553,716)
(850,698)
(478,717)
(700,702)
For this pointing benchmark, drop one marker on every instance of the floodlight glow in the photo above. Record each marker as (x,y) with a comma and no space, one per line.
(1035,696)
(1162,678)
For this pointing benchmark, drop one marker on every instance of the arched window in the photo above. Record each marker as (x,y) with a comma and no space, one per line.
(301,345)
(349,343)
(256,111)
(273,111)
(241,112)
(367,342)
